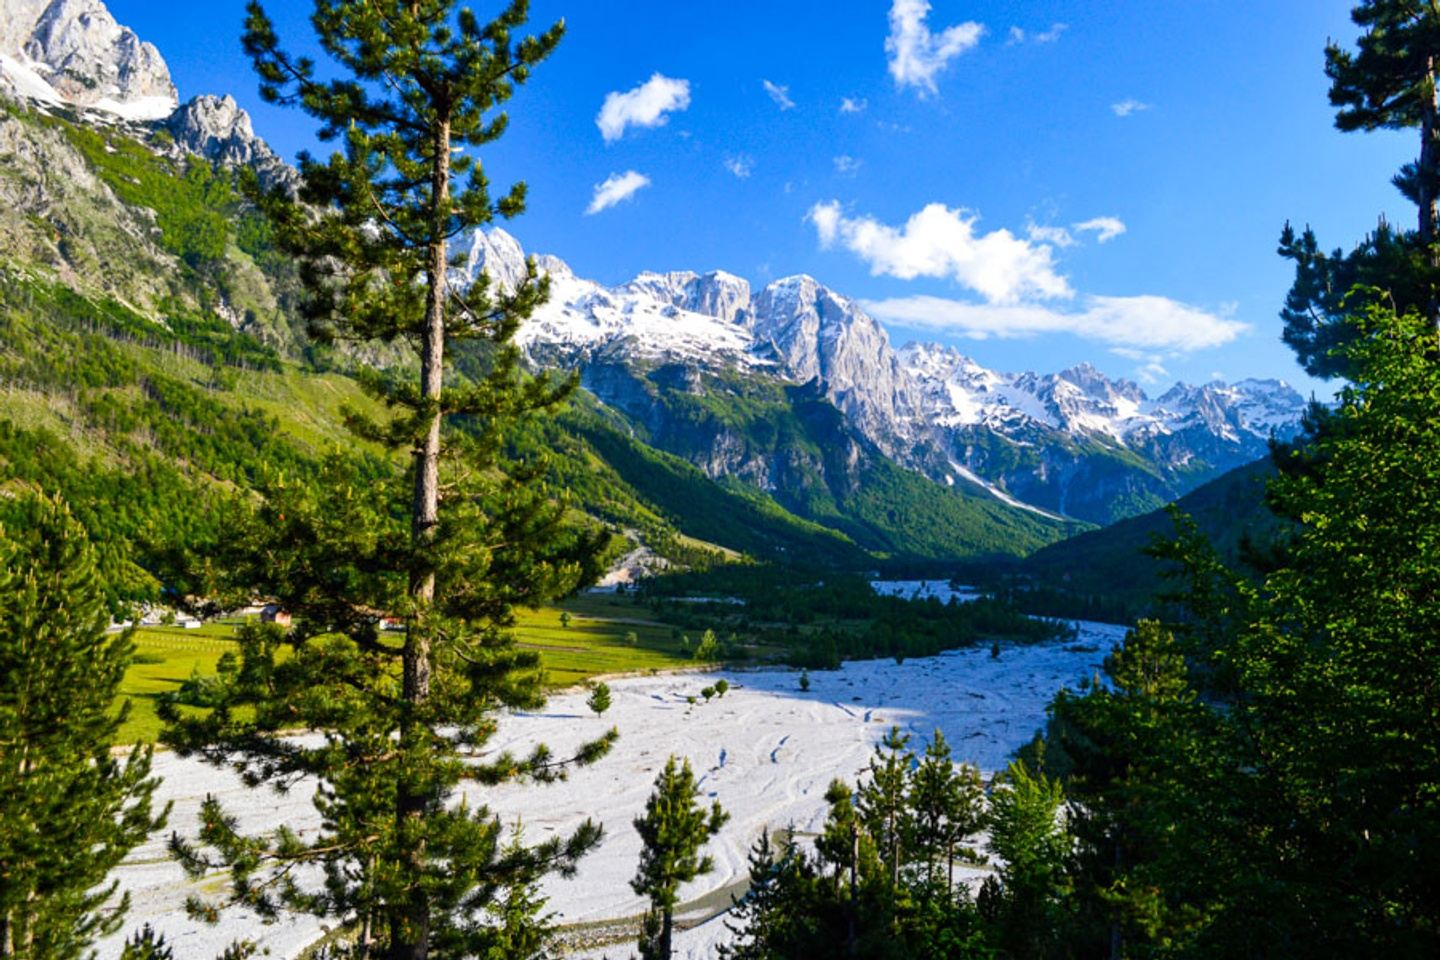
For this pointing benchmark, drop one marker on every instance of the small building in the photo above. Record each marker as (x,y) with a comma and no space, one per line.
(271,613)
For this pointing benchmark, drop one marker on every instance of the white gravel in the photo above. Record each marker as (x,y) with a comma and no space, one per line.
(766,751)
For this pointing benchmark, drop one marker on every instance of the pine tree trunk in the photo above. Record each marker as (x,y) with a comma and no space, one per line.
(1429,156)
(1429,169)
(410,926)
(667,929)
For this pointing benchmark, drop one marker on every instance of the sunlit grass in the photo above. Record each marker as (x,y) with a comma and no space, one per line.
(597,641)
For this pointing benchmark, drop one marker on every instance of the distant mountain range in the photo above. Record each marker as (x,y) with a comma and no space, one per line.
(1074,444)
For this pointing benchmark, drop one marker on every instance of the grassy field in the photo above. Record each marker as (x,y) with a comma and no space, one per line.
(596,642)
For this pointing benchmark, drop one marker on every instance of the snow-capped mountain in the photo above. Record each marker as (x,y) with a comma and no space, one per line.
(1082,400)
(72,52)
(655,317)
(71,55)
(1074,442)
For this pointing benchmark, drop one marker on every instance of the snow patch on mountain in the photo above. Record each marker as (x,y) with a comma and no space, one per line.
(72,52)
(927,406)
(966,473)
(651,318)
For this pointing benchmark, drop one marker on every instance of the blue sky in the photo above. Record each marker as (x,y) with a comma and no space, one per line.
(972,190)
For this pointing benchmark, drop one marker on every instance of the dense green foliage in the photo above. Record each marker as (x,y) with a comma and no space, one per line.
(820,618)
(818,467)
(729,513)
(1112,575)
(71,809)
(403,720)
(1262,780)
(1387,82)
(153,442)
(880,882)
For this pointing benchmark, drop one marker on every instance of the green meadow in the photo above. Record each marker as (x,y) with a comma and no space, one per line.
(595,642)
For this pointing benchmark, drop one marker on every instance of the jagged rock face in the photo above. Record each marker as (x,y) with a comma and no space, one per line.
(1075,442)
(17,23)
(820,335)
(717,294)
(76,48)
(1081,444)
(499,256)
(55,213)
(219,130)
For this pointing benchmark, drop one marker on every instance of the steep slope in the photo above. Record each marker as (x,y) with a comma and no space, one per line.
(1083,445)
(149,360)
(1110,564)
(794,445)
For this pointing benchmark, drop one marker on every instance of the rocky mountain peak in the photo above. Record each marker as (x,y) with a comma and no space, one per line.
(73,52)
(498,255)
(1095,384)
(218,129)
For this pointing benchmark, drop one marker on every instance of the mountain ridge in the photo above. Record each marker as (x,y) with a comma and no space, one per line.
(1032,440)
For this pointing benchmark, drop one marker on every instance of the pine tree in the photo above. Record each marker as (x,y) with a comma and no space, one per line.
(946,804)
(69,809)
(882,802)
(777,917)
(599,699)
(1389,82)
(1023,901)
(521,929)
(147,945)
(672,831)
(451,545)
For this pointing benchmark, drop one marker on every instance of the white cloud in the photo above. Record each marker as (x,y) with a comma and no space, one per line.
(941,242)
(916,55)
(1104,228)
(1128,106)
(617,188)
(847,166)
(1053,235)
(644,106)
(741,166)
(1146,323)
(853,104)
(1152,369)
(1018,35)
(1152,373)
(781,95)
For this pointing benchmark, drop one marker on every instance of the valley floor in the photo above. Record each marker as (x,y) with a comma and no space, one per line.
(766,751)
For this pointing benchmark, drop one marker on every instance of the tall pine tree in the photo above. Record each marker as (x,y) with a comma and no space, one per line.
(673,830)
(410,859)
(70,810)
(1387,82)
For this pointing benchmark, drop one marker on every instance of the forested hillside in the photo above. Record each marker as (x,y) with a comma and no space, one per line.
(155,365)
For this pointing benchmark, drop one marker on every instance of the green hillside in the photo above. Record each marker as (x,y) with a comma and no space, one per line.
(1109,567)
(814,464)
